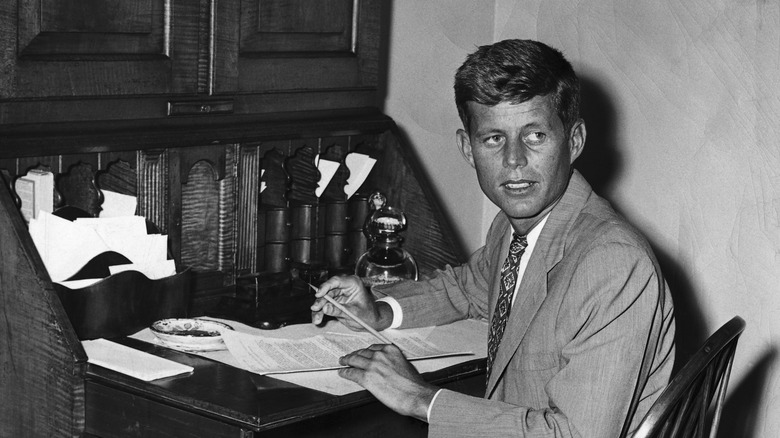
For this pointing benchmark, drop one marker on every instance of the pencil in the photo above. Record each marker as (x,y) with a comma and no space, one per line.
(355,318)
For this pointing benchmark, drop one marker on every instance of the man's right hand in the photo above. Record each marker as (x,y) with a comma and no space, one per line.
(350,292)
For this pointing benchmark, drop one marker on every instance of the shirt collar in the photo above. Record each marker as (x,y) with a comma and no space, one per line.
(532,235)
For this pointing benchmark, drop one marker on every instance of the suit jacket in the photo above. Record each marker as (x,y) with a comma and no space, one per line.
(568,364)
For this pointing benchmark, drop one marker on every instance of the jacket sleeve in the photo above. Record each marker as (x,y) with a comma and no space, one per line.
(603,325)
(452,293)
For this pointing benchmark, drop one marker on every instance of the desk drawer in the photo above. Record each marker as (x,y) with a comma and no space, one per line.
(114,413)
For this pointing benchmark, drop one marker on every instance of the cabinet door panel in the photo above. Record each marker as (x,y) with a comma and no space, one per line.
(75,28)
(84,49)
(278,26)
(300,47)
(298,74)
(110,60)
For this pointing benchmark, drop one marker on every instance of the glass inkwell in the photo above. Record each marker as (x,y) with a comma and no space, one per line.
(385,261)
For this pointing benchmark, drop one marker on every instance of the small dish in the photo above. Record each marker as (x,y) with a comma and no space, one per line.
(190,334)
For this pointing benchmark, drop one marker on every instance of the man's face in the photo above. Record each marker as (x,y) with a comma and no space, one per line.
(522,156)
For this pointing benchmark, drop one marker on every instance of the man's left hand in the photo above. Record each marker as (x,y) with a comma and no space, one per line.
(384,371)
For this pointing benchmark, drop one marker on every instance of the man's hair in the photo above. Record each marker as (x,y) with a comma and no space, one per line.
(516,71)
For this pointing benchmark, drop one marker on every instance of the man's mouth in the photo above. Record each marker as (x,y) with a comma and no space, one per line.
(520,185)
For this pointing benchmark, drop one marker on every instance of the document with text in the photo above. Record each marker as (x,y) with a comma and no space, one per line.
(267,355)
(463,336)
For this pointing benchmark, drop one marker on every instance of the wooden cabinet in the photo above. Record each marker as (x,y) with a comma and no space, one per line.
(95,60)
(296,55)
(184,104)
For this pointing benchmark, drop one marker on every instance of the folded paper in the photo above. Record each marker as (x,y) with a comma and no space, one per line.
(132,362)
(154,271)
(327,169)
(117,205)
(359,166)
(66,247)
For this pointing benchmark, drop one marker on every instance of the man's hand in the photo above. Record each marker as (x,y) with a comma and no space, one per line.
(384,371)
(350,292)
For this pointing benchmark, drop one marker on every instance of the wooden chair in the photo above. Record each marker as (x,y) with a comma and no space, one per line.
(683,408)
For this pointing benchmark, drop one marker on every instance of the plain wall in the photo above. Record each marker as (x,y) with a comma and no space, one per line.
(428,40)
(681,101)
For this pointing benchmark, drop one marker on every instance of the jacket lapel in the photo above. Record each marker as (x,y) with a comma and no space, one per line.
(547,253)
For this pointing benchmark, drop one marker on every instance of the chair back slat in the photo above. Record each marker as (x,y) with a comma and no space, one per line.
(704,397)
(683,409)
(722,390)
(686,406)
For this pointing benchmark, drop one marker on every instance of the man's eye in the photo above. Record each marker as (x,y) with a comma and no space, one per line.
(494,140)
(535,138)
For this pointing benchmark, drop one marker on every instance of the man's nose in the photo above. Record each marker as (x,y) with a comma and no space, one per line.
(515,154)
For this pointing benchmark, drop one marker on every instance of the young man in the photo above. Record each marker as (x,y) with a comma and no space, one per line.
(573,294)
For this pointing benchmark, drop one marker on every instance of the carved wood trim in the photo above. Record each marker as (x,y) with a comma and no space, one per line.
(153,187)
(248,191)
(208,216)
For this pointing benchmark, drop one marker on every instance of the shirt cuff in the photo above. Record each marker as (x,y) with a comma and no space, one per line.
(398,314)
(433,400)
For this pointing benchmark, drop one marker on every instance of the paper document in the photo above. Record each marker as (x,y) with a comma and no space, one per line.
(359,166)
(153,271)
(130,361)
(117,204)
(466,335)
(66,247)
(265,355)
(327,170)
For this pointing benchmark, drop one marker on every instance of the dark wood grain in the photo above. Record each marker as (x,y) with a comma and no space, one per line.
(198,207)
(96,60)
(153,187)
(127,47)
(209,221)
(77,187)
(200,218)
(42,361)
(275,178)
(248,193)
(119,177)
(223,400)
(303,176)
(86,93)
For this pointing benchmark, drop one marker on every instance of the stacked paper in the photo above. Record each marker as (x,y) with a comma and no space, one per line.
(66,246)
(130,361)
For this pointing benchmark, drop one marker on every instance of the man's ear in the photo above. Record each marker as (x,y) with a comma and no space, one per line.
(577,140)
(464,144)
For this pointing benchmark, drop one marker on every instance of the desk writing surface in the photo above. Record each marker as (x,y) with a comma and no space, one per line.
(228,395)
(468,335)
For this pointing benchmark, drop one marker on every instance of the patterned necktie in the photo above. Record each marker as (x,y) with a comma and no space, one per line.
(504,303)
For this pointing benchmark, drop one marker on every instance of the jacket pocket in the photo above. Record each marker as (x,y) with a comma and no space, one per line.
(527,378)
(537,361)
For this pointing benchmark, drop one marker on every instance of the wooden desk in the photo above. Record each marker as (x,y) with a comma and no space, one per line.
(44,368)
(219,400)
